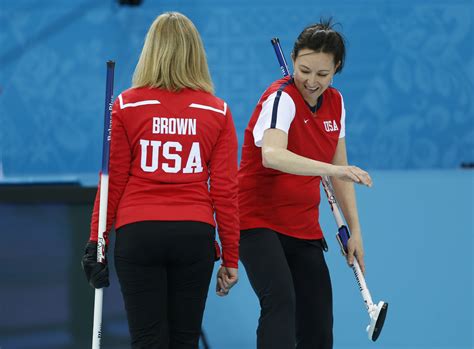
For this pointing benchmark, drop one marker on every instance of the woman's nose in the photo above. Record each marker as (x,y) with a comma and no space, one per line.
(312,81)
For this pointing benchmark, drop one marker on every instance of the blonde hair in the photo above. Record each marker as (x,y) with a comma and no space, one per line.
(173,56)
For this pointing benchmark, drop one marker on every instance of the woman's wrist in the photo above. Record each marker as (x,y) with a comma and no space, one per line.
(356,233)
(331,170)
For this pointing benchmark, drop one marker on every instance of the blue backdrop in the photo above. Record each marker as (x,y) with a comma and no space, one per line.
(408,82)
(418,237)
(408,86)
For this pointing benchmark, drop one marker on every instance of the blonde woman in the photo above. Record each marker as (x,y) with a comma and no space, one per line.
(173,167)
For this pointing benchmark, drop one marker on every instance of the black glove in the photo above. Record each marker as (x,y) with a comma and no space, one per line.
(96,273)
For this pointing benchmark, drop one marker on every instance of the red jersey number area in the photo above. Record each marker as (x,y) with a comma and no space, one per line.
(173,156)
(172,142)
(171,152)
(170,156)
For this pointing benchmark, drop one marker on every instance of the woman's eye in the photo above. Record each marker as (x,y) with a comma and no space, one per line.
(323,75)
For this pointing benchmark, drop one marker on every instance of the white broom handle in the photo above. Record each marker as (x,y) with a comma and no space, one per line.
(340,222)
(97,328)
(99,293)
(104,194)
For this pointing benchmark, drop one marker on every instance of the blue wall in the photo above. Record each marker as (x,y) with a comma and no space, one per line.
(408,82)
(418,237)
(408,86)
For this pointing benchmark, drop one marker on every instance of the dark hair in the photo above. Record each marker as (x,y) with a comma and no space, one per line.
(321,37)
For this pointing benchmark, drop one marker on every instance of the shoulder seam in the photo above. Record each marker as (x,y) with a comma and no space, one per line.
(136,104)
(207,107)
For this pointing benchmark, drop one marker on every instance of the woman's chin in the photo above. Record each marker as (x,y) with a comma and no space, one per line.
(311,100)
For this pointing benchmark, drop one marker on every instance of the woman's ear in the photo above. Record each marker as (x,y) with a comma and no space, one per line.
(337,66)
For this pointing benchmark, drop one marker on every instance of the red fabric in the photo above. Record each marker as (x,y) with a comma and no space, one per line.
(142,189)
(286,203)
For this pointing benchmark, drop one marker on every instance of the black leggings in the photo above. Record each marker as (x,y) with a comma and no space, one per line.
(164,270)
(291,280)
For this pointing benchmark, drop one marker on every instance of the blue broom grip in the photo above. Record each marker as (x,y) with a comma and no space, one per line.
(280,56)
(109,87)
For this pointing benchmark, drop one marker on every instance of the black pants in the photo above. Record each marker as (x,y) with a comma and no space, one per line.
(291,280)
(164,270)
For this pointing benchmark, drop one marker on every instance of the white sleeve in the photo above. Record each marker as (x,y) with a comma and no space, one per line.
(342,134)
(278,111)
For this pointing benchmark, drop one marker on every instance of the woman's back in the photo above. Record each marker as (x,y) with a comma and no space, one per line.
(173,141)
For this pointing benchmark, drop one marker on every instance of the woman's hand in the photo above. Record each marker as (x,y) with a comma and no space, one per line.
(355,249)
(352,174)
(226,279)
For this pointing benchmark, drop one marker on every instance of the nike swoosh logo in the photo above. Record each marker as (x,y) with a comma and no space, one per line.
(306,121)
